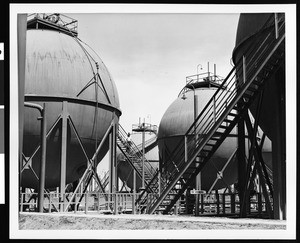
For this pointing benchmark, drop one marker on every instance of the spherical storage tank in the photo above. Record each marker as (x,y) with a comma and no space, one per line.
(176,121)
(249,29)
(58,67)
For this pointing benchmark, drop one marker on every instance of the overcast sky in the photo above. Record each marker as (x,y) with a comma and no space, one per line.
(149,55)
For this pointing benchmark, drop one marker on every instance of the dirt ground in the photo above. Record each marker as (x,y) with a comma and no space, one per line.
(92,221)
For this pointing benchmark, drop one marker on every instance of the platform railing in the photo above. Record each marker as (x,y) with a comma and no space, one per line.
(91,202)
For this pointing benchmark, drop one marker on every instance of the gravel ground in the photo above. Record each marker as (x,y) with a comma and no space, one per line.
(92,221)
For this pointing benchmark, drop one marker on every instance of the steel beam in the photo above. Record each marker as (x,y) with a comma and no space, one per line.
(49,98)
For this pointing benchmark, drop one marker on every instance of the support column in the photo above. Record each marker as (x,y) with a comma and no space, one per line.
(134,192)
(43,160)
(279,151)
(22,26)
(143,158)
(63,160)
(242,167)
(241,156)
(198,176)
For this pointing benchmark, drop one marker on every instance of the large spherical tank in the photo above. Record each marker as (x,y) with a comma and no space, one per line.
(175,122)
(248,29)
(60,66)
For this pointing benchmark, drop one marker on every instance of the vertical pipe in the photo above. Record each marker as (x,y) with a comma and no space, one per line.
(63,155)
(215,72)
(208,71)
(43,160)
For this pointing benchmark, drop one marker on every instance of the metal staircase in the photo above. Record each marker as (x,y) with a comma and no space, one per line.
(133,156)
(220,115)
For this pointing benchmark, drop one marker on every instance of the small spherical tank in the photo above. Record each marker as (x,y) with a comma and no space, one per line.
(249,28)
(125,171)
(60,66)
(176,121)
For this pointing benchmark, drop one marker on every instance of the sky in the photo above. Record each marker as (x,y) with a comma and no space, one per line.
(149,55)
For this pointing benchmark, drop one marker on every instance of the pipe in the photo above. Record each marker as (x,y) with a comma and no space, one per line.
(43,152)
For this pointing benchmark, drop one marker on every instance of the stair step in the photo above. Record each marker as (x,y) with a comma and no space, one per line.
(223,127)
(227,120)
(252,89)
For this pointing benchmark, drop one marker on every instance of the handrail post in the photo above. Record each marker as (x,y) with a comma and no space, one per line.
(244,69)
(86,205)
(185,149)
(276,25)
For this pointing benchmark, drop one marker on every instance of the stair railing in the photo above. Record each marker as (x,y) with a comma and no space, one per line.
(223,101)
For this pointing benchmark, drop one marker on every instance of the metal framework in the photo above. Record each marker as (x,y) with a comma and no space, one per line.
(263,58)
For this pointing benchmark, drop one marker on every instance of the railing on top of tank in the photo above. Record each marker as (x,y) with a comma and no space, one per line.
(204,77)
(207,77)
(58,19)
(146,127)
(223,99)
(136,152)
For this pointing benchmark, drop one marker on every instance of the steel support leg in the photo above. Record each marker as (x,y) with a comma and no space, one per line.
(43,160)
(63,160)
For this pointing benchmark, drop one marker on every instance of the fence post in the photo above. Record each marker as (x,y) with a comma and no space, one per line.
(202,203)
(115,204)
(133,202)
(86,205)
(259,202)
(50,202)
(223,202)
(232,200)
(22,199)
(98,206)
(75,206)
(218,202)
